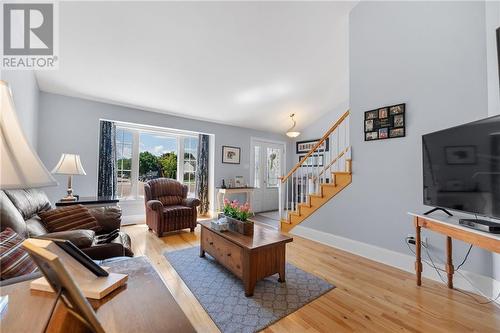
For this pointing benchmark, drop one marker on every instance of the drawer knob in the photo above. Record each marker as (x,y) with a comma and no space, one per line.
(211,243)
(229,254)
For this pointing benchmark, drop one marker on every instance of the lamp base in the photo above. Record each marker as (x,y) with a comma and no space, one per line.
(69,198)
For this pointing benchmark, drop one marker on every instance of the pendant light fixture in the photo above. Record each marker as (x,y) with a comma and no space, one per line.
(291,133)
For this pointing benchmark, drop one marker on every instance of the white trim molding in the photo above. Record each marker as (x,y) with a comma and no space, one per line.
(488,286)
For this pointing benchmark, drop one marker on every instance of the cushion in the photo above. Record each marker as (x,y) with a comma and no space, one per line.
(10,217)
(14,260)
(177,211)
(168,200)
(69,218)
(80,238)
(29,202)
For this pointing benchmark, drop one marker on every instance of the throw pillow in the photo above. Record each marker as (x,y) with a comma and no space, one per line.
(69,218)
(14,260)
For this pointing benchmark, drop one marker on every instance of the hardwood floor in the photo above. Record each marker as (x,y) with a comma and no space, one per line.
(370,297)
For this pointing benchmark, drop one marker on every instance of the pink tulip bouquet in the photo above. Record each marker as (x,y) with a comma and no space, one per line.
(234,210)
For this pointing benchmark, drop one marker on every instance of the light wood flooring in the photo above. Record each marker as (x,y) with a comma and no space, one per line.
(370,297)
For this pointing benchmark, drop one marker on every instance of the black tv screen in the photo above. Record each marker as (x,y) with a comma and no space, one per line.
(461,168)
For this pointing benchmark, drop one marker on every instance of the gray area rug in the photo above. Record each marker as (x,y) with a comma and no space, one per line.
(222,295)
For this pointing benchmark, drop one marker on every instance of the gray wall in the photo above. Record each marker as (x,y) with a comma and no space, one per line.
(492,23)
(25,92)
(431,56)
(71,125)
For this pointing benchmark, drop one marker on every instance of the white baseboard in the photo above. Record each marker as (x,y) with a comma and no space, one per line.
(133,219)
(488,286)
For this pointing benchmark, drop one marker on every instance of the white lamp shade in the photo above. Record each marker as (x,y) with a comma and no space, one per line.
(20,166)
(69,164)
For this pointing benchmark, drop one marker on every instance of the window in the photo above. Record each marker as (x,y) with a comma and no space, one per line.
(189,164)
(273,166)
(124,162)
(157,158)
(144,154)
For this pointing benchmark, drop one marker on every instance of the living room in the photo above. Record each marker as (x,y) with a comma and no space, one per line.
(261,166)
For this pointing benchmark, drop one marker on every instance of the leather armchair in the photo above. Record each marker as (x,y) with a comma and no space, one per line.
(167,206)
(19,208)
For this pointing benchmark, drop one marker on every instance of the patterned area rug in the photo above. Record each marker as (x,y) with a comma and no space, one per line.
(222,295)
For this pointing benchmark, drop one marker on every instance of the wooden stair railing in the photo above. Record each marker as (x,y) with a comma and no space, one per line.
(323,172)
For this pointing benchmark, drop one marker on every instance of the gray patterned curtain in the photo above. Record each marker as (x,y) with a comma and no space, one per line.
(202,174)
(106,183)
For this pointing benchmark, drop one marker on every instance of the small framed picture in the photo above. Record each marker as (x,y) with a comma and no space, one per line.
(396,132)
(371,136)
(383,133)
(383,113)
(460,154)
(369,125)
(399,120)
(396,109)
(239,181)
(312,161)
(371,114)
(231,155)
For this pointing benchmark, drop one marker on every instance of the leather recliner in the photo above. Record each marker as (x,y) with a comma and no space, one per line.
(167,206)
(19,208)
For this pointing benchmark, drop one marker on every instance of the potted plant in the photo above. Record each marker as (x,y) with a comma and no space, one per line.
(237,217)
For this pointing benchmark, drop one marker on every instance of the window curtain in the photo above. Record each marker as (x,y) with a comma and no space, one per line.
(106,183)
(202,174)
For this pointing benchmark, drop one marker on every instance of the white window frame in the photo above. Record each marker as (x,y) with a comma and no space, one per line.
(137,130)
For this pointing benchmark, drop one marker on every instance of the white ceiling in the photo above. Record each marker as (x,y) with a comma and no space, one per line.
(248,64)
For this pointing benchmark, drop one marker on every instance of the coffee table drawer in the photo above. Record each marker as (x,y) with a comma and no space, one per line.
(227,254)
(234,258)
(210,245)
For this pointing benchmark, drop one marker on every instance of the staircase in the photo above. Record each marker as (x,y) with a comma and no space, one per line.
(319,176)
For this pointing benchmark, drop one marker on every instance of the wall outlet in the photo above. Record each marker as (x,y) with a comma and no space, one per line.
(411,240)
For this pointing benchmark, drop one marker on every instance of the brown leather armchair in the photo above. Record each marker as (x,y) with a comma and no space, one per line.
(167,206)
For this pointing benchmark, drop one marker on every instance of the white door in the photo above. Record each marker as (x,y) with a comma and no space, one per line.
(268,159)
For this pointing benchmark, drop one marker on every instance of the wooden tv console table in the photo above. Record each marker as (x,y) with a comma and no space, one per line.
(449,226)
(250,258)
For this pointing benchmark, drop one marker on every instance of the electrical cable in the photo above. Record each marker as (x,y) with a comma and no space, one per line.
(439,270)
(465,258)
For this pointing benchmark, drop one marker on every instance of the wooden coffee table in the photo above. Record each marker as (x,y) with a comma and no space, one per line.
(250,258)
(144,304)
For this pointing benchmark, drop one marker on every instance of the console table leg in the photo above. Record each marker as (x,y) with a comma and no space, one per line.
(449,261)
(418,253)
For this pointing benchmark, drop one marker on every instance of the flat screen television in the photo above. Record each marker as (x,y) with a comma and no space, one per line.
(461,168)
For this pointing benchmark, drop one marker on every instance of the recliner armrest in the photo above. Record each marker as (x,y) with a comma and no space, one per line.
(81,238)
(109,218)
(154,205)
(191,202)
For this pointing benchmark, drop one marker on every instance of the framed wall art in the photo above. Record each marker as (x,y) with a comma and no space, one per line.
(231,155)
(385,123)
(312,161)
(303,147)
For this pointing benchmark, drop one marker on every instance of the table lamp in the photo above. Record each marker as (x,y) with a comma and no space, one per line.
(20,166)
(69,164)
